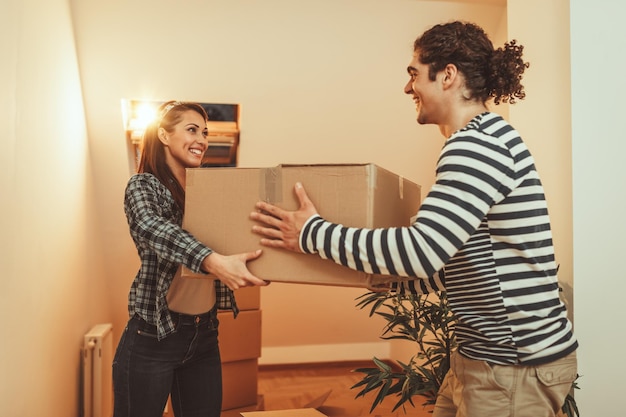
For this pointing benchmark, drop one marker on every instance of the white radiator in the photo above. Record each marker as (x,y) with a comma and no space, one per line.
(97,371)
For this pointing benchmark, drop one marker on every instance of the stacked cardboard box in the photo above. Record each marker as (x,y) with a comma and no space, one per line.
(240,348)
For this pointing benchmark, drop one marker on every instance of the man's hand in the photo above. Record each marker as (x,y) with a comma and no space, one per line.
(281,228)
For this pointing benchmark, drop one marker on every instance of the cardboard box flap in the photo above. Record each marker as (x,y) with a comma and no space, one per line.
(297,412)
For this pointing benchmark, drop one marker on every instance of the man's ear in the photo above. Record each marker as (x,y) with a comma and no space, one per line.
(162,136)
(450,74)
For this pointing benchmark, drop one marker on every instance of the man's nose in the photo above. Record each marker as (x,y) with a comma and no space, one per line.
(408,88)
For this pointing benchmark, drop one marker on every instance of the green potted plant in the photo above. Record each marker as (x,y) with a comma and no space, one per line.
(427,321)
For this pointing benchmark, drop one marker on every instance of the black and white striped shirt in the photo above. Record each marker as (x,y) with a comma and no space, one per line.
(483,235)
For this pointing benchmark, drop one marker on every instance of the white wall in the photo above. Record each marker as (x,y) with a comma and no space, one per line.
(52,288)
(598,39)
(543,117)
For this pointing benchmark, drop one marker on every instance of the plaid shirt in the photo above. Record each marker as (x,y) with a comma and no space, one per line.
(155,226)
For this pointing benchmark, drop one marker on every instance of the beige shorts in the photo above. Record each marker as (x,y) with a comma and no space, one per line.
(477,389)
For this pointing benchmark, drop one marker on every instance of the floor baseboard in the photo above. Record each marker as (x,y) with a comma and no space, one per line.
(324,353)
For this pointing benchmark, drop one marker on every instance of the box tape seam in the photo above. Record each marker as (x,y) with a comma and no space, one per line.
(271,185)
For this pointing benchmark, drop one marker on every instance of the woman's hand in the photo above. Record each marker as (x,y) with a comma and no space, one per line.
(282,227)
(232,270)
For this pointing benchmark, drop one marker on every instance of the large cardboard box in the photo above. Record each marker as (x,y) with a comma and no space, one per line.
(219,200)
(248,298)
(239,383)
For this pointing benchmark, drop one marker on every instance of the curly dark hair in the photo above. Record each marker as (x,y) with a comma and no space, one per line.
(152,158)
(489,73)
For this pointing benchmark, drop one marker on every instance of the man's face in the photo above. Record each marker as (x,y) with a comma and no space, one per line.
(425,93)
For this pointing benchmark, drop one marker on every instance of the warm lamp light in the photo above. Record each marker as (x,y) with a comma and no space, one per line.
(138,115)
(144,114)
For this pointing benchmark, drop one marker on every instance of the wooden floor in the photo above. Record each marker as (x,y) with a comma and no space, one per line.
(325,387)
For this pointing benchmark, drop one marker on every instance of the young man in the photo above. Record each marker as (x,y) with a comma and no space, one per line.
(482,234)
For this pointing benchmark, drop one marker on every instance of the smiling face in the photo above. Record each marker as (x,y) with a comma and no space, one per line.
(426,93)
(186,143)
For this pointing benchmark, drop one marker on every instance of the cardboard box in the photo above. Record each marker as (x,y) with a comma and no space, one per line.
(219,201)
(248,298)
(298,412)
(240,338)
(236,412)
(239,383)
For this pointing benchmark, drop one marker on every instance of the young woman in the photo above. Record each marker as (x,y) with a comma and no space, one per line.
(170,342)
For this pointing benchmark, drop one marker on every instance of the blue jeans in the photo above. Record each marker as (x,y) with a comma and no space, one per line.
(186,364)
